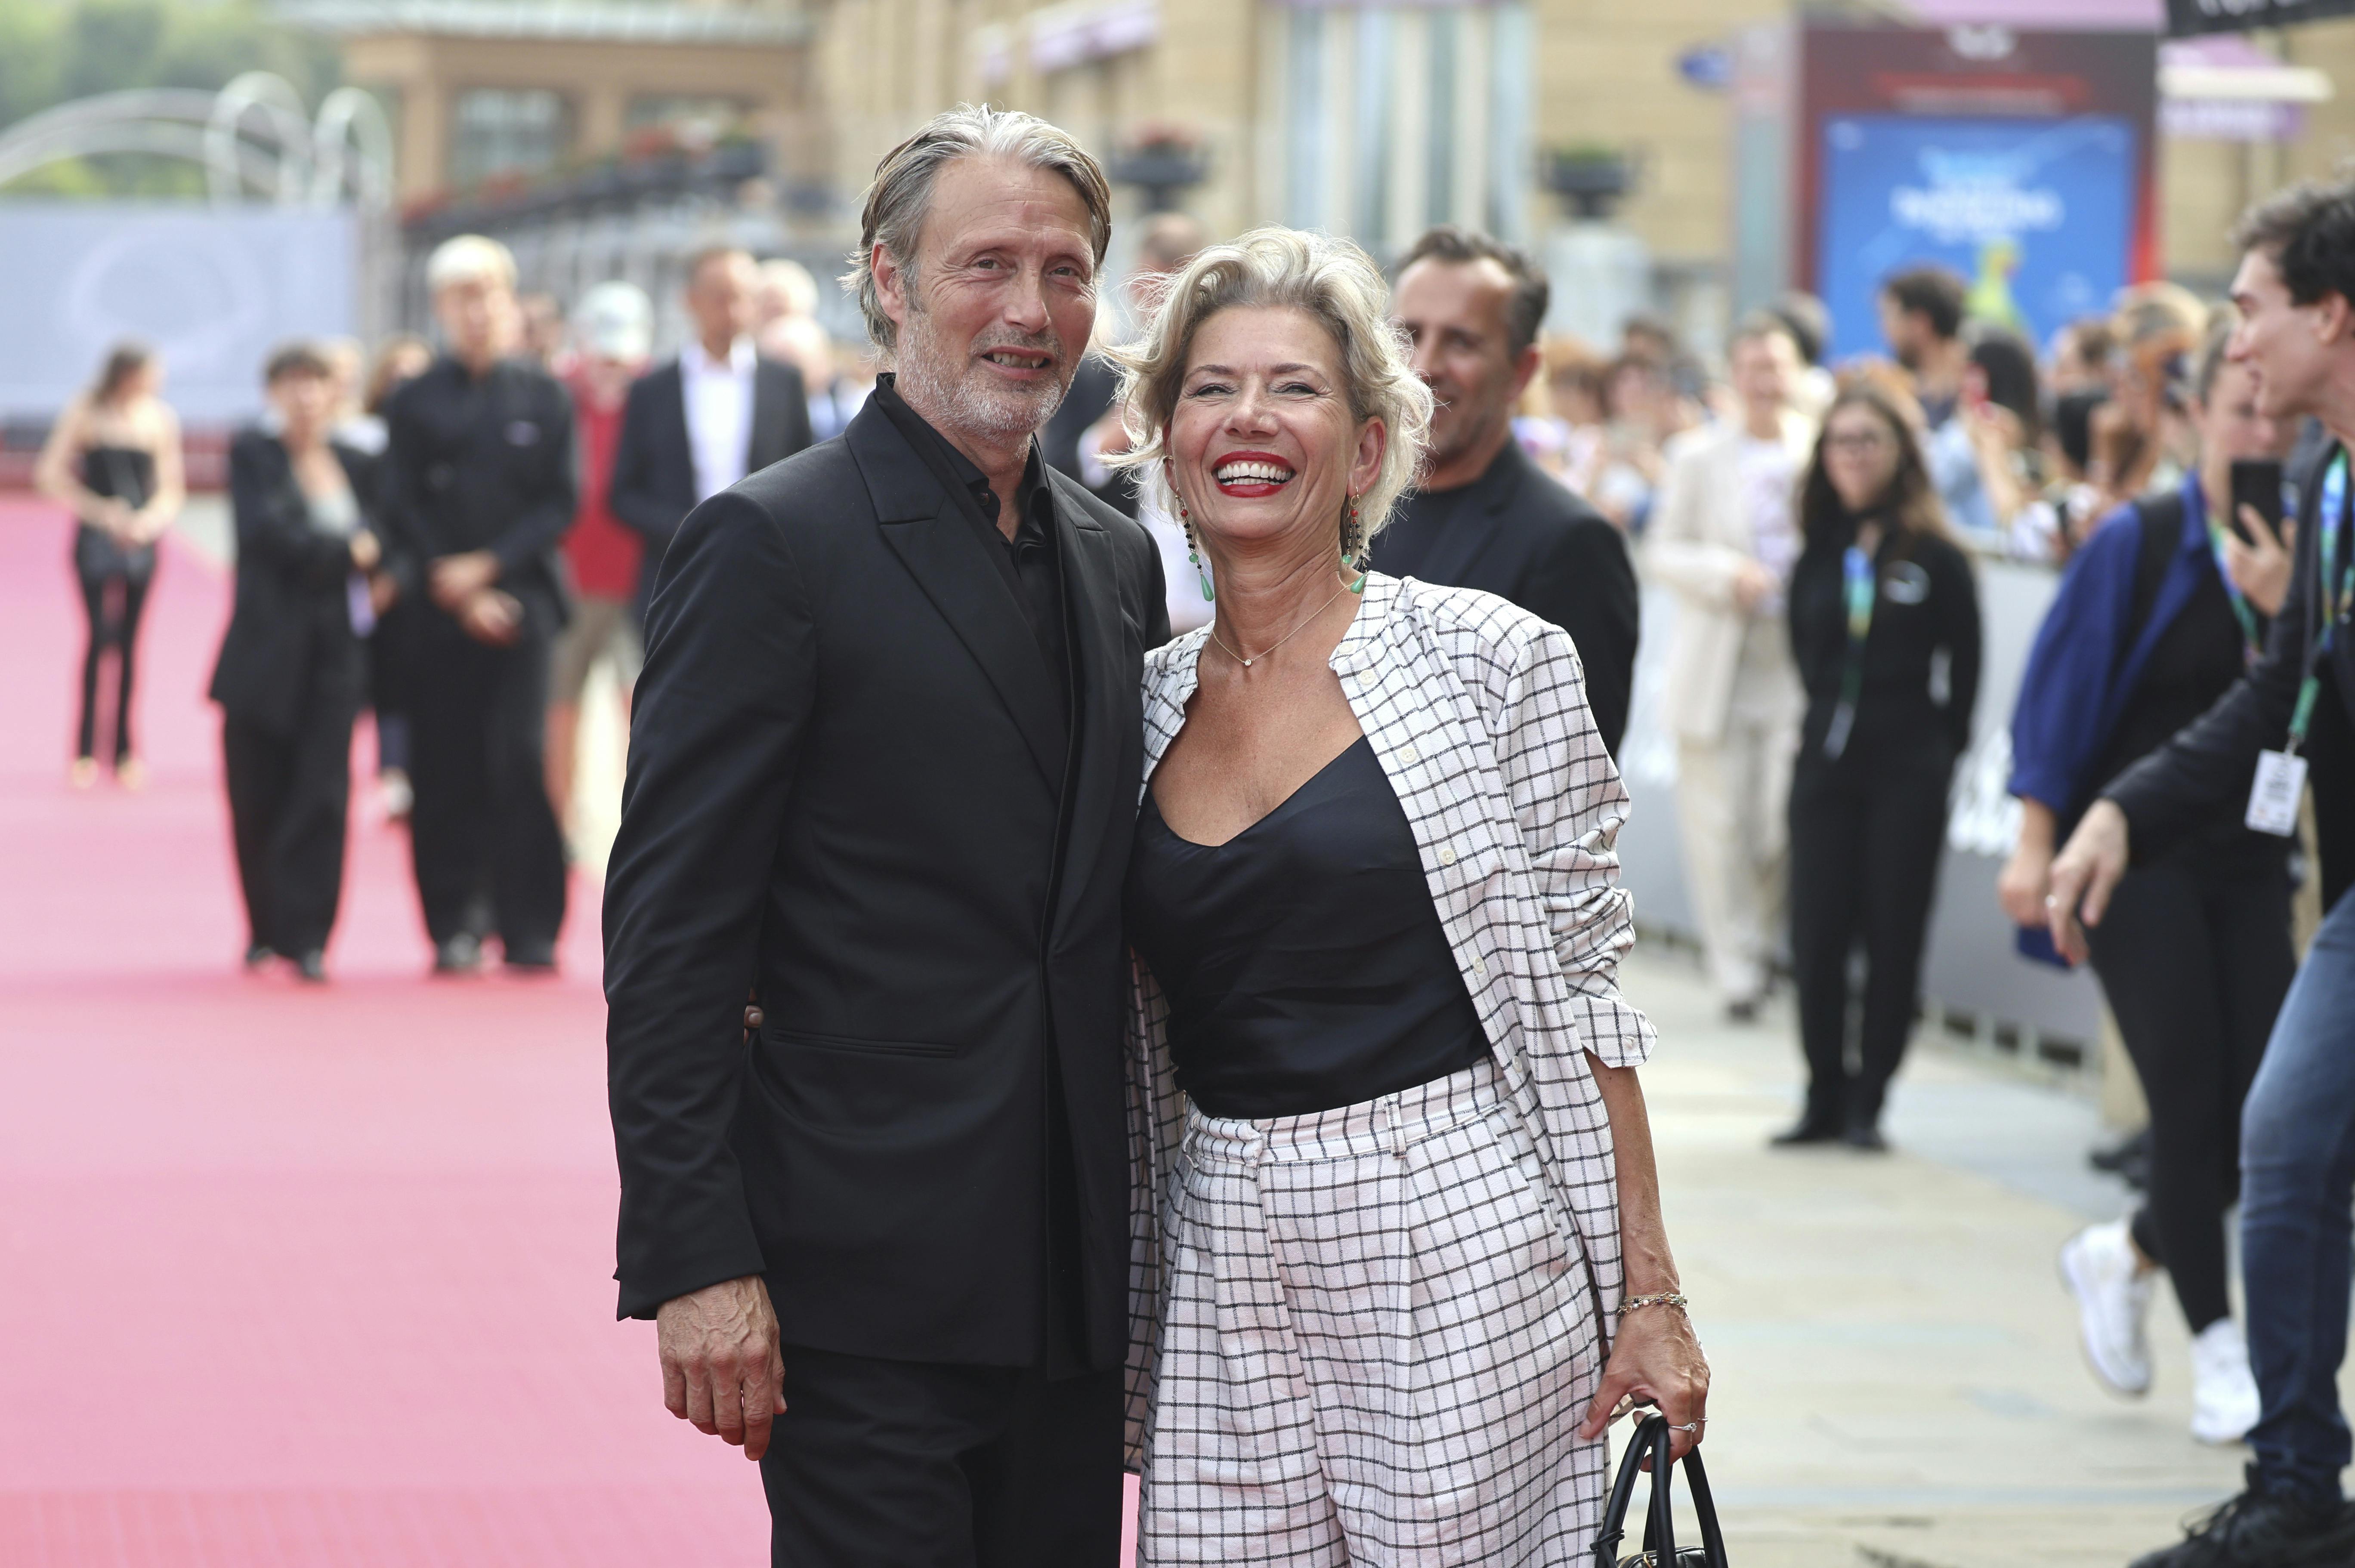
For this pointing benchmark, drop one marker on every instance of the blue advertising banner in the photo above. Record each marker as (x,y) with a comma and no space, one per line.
(2037,215)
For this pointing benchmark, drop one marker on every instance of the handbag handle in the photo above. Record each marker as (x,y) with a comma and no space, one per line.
(1652,1440)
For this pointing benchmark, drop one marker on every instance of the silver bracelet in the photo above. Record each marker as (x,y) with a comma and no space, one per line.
(1666,1298)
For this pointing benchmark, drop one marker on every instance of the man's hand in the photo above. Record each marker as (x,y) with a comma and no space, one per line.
(366,551)
(2260,569)
(2084,876)
(458,578)
(1657,1357)
(493,618)
(723,1367)
(2021,885)
(384,590)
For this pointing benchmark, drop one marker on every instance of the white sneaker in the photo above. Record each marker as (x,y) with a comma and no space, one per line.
(2225,1401)
(2098,1267)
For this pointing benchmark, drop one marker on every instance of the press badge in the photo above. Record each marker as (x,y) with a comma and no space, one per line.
(2273,799)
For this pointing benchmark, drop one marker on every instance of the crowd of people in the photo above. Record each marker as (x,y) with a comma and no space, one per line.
(457,536)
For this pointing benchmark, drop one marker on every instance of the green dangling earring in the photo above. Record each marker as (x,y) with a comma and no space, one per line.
(1193,550)
(1353,546)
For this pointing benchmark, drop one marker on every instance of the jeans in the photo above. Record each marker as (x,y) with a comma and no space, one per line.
(2297,1181)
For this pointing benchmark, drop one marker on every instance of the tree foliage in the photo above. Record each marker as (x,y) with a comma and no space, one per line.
(54,51)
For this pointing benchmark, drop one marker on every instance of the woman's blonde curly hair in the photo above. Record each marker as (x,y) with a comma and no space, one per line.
(1336,283)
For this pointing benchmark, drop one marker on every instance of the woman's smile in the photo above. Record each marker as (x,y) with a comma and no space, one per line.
(1250,475)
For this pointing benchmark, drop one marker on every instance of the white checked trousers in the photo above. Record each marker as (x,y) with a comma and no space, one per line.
(1379,1340)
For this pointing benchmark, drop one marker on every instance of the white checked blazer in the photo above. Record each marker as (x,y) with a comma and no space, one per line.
(1477,712)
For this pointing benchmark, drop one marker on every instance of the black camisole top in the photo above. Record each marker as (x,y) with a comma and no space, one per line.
(1304,965)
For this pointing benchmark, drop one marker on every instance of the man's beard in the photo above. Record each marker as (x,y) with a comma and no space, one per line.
(964,397)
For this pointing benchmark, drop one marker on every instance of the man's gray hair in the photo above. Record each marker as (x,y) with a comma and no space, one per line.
(902,191)
(1329,280)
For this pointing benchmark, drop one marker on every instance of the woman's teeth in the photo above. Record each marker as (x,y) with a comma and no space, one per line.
(1253,474)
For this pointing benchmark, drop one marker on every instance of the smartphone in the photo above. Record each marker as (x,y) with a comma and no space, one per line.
(2035,944)
(2256,481)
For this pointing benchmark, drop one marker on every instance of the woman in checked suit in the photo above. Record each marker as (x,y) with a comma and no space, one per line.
(1400,1253)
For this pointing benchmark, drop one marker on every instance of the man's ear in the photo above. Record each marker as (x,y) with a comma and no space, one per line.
(1525,369)
(890,284)
(2334,319)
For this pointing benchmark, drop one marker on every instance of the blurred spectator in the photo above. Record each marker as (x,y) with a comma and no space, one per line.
(2081,357)
(291,663)
(347,367)
(399,359)
(1482,515)
(1921,321)
(1562,425)
(1723,539)
(615,328)
(2141,443)
(1086,427)
(545,332)
(808,348)
(2148,629)
(783,292)
(701,421)
(115,457)
(479,487)
(1642,412)
(1885,631)
(1810,322)
(2002,414)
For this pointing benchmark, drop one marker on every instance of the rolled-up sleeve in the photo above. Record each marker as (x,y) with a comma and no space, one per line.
(1568,800)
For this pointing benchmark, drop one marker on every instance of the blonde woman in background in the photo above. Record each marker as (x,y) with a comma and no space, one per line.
(1396,1184)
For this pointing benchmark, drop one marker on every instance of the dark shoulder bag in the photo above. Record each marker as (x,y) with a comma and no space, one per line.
(1654,1439)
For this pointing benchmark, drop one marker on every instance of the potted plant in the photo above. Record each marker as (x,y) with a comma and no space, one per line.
(1591,177)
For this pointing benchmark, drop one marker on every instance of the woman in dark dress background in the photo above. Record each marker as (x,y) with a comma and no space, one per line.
(1885,626)
(115,457)
(292,664)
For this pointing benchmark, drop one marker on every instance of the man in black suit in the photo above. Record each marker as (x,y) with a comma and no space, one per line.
(883,773)
(717,411)
(478,489)
(1485,516)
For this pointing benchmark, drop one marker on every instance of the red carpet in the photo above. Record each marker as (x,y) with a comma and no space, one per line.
(290,1276)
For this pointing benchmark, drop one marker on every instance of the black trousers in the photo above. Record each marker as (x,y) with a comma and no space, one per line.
(881,1464)
(488,853)
(2195,967)
(1865,839)
(288,795)
(105,570)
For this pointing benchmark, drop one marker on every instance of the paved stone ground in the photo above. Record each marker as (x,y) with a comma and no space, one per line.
(1897,1378)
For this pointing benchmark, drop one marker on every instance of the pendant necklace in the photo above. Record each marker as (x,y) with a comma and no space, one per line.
(1279,641)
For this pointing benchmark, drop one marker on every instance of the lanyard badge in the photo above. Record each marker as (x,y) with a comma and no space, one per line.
(1860,588)
(2281,775)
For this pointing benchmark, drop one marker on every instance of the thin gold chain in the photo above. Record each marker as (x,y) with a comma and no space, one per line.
(1279,641)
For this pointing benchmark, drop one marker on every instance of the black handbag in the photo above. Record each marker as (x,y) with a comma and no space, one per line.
(1654,1438)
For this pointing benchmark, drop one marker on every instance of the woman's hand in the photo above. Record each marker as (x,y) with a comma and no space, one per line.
(1657,1358)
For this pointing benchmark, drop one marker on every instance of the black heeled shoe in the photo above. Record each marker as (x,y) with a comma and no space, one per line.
(1808,1130)
(312,967)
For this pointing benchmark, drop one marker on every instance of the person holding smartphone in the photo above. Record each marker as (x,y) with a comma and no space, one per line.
(2159,615)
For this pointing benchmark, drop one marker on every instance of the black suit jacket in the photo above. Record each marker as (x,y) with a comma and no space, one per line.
(849,791)
(652,487)
(292,618)
(2206,771)
(1521,534)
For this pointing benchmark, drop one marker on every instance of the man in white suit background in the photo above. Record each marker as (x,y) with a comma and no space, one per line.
(1723,536)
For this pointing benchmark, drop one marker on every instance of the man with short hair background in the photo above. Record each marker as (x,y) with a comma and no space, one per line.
(1921,312)
(478,489)
(1723,537)
(2295,293)
(716,411)
(1484,515)
(884,773)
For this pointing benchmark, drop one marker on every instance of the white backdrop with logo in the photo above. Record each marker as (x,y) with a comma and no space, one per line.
(211,289)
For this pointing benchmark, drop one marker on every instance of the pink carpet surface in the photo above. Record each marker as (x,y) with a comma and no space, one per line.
(293,1276)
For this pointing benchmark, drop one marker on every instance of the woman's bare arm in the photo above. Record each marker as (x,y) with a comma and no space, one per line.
(162,507)
(53,472)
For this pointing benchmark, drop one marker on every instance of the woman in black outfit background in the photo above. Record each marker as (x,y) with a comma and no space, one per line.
(1885,627)
(291,667)
(115,457)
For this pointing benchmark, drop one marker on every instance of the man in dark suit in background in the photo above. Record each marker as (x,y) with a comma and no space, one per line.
(1485,516)
(478,487)
(704,420)
(884,773)
(1167,241)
